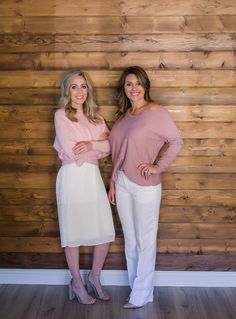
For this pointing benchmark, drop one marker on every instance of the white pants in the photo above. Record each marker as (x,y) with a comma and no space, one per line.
(138,208)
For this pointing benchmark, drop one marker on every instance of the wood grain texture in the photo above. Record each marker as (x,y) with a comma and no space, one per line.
(51,245)
(158,78)
(200,60)
(118,25)
(177,207)
(188,51)
(31,185)
(183,164)
(213,262)
(36,301)
(173,231)
(106,96)
(194,130)
(192,147)
(116,8)
(27,146)
(185,113)
(110,43)
(208,147)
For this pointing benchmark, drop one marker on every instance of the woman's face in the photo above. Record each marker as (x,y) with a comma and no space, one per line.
(78,90)
(133,88)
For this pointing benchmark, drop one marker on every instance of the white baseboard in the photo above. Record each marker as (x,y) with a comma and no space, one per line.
(119,277)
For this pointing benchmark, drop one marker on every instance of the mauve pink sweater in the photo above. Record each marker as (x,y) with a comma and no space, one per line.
(137,139)
(68,133)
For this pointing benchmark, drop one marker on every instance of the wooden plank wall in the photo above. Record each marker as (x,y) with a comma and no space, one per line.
(188,49)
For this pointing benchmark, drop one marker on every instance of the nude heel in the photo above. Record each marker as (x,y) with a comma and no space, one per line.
(74,293)
(71,292)
(91,288)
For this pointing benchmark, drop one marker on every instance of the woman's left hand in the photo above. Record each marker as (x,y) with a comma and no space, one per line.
(82,147)
(146,169)
(104,136)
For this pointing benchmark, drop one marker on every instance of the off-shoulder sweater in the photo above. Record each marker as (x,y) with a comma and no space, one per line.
(137,139)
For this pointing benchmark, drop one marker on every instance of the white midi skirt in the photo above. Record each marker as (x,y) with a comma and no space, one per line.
(84,213)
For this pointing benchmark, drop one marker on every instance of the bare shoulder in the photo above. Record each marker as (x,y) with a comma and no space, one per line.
(154,106)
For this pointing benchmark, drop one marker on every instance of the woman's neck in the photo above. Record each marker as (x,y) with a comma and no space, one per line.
(138,107)
(77,107)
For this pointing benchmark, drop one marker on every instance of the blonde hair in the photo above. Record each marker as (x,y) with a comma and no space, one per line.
(90,108)
(124,103)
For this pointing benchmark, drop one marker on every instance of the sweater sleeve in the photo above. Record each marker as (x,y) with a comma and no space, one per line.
(170,134)
(102,145)
(64,140)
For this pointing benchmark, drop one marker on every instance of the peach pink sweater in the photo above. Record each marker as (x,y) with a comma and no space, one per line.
(68,133)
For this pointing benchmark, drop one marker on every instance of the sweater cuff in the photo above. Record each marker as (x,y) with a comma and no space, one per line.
(159,169)
(101,145)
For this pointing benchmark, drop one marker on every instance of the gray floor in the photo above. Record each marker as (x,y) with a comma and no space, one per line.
(32,301)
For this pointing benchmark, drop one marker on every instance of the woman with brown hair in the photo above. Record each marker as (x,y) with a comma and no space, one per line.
(136,138)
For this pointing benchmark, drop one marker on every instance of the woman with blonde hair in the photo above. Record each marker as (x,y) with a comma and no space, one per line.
(84,213)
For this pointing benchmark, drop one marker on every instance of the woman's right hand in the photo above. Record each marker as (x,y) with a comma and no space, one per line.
(82,147)
(112,196)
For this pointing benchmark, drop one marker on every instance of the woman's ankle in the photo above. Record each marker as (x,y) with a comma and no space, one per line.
(95,274)
(77,283)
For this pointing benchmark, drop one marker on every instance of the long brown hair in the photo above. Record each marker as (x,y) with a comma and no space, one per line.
(124,103)
(90,108)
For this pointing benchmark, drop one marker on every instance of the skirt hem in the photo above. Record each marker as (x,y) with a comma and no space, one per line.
(109,240)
